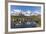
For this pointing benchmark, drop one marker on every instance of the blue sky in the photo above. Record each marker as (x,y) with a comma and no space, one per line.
(26,8)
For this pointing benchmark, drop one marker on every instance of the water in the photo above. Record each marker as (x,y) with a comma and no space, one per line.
(24,25)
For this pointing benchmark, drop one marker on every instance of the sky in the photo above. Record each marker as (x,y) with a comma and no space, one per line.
(26,8)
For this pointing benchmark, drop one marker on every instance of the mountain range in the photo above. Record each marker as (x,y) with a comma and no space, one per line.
(24,13)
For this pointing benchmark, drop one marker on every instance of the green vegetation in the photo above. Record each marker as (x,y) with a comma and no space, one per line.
(37,19)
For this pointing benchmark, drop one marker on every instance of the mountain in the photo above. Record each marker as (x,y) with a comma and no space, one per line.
(24,13)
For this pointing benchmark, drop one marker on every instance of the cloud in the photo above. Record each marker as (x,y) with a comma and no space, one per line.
(17,10)
(27,13)
(36,13)
(12,12)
